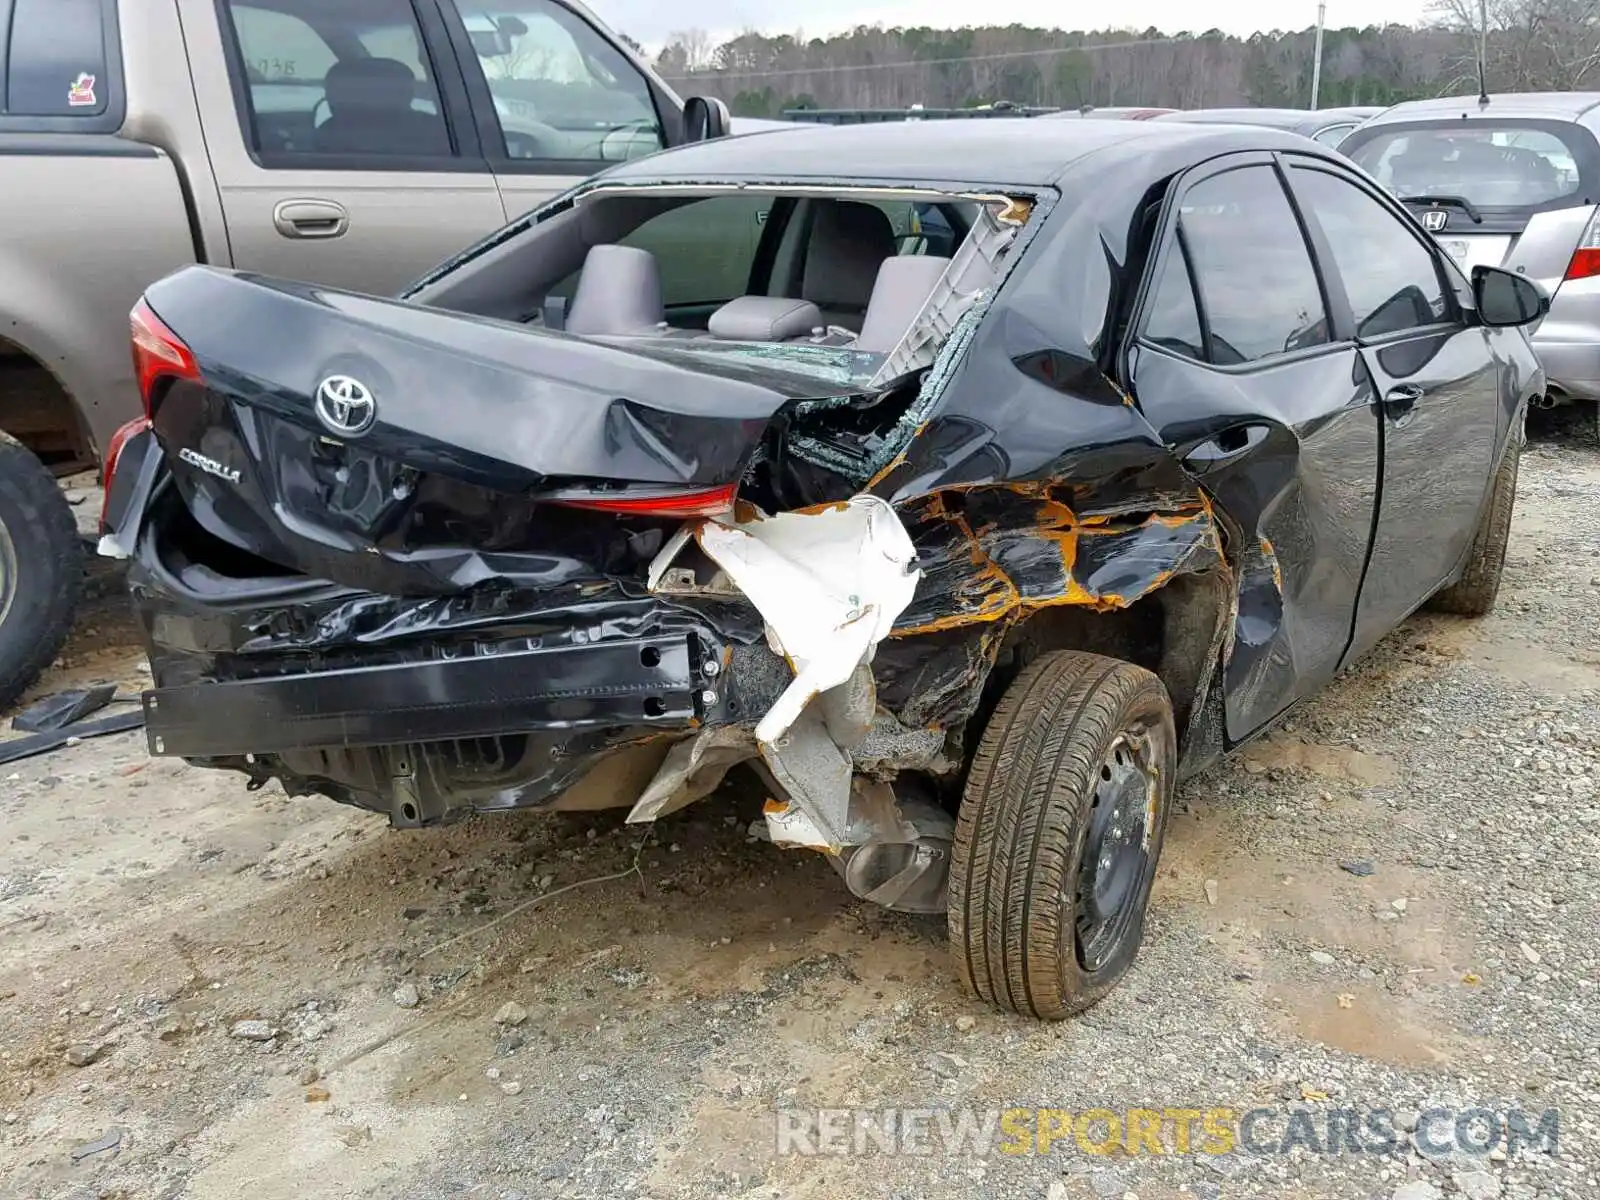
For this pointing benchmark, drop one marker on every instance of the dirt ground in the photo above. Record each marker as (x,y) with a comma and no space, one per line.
(1391,901)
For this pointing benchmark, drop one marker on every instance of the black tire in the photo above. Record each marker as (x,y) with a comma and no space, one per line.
(41,571)
(1035,794)
(1473,595)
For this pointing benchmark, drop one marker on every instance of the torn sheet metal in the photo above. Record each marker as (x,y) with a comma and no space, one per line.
(994,553)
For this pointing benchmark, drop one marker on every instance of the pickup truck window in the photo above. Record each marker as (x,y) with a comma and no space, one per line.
(57,59)
(561,91)
(338,77)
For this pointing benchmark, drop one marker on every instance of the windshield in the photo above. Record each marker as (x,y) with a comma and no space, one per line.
(1486,164)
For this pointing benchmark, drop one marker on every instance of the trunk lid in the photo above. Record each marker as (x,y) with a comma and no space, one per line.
(409,450)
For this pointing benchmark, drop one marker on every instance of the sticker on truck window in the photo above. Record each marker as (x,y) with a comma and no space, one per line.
(80,94)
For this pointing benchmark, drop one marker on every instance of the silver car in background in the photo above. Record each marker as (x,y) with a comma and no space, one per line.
(1330,126)
(1508,181)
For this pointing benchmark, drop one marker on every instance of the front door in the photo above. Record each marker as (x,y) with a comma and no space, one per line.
(1436,392)
(557,97)
(1239,369)
(359,165)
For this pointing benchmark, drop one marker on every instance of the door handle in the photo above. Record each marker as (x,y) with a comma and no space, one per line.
(310,219)
(1225,447)
(1400,403)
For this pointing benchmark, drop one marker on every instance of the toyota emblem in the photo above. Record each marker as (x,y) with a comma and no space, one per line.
(1435,219)
(345,405)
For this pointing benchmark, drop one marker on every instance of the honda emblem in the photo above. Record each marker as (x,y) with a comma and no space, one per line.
(1435,219)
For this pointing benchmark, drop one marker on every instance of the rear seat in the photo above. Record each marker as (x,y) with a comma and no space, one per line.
(619,295)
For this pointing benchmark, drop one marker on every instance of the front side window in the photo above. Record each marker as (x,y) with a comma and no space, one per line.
(1392,279)
(1333,134)
(561,91)
(706,249)
(57,61)
(342,78)
(1256,280)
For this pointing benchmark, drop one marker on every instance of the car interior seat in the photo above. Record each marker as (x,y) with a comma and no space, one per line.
(904,285)
(369,111)
(849,241)
(618,294)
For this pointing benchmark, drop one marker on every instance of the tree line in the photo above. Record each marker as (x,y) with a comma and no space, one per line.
(1528,45)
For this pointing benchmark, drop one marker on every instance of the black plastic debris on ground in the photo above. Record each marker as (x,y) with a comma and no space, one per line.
(1357,867)
(62,709)
(43,743)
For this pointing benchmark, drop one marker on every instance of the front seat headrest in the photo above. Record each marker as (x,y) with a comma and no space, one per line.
(619,293)
(849,239)
(369,84)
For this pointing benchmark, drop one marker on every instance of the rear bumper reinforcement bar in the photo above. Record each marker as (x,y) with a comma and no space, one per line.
(648,681)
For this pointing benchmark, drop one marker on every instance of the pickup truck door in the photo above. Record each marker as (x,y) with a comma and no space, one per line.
(341,139)
(557,96)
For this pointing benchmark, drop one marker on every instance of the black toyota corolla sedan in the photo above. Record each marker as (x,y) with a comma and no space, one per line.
(969,483)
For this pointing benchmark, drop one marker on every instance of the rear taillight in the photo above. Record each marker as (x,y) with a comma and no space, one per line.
(108,471)
(699,502)
(1585,262)
(158,354)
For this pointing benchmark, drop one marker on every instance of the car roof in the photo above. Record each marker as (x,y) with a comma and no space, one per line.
(1023,153)
(1567,106)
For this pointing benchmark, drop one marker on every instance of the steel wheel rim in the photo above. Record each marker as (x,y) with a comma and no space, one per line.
(1123,816)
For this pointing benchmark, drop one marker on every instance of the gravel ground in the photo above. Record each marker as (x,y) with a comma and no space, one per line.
(1390,904)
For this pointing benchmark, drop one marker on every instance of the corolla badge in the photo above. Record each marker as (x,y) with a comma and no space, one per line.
(345,405)
(1435,219)
(209,465)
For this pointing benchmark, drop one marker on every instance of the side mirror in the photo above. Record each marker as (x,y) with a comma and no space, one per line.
(705,118)
(1505,298)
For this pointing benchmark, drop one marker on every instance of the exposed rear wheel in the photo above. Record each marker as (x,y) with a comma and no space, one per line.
(41,569)
(1059,833)
(1473,595)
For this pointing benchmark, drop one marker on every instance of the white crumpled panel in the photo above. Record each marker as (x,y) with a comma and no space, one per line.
(829,583)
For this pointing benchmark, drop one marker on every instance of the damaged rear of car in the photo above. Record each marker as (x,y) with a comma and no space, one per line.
(582,522)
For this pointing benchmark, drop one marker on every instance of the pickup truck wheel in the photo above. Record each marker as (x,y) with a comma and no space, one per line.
(1474,593)
(1059,832)
(41,569)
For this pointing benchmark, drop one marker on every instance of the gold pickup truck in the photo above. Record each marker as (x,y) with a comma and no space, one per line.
(352,143)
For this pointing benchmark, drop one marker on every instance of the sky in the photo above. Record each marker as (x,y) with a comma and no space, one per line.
(651,22)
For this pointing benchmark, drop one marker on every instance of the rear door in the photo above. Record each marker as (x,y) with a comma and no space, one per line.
(340,136)
(1437,388)
(557,96)
(1239,368)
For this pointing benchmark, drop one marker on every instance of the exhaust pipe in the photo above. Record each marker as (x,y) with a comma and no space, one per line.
(905,876)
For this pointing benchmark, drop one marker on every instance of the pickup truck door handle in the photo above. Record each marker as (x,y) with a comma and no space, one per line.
(310,219)
(1400,403)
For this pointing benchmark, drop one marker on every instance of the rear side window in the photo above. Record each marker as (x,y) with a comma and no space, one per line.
(1490,164)
(338,78)
(1173,319)
(1258,288)
(56,63)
